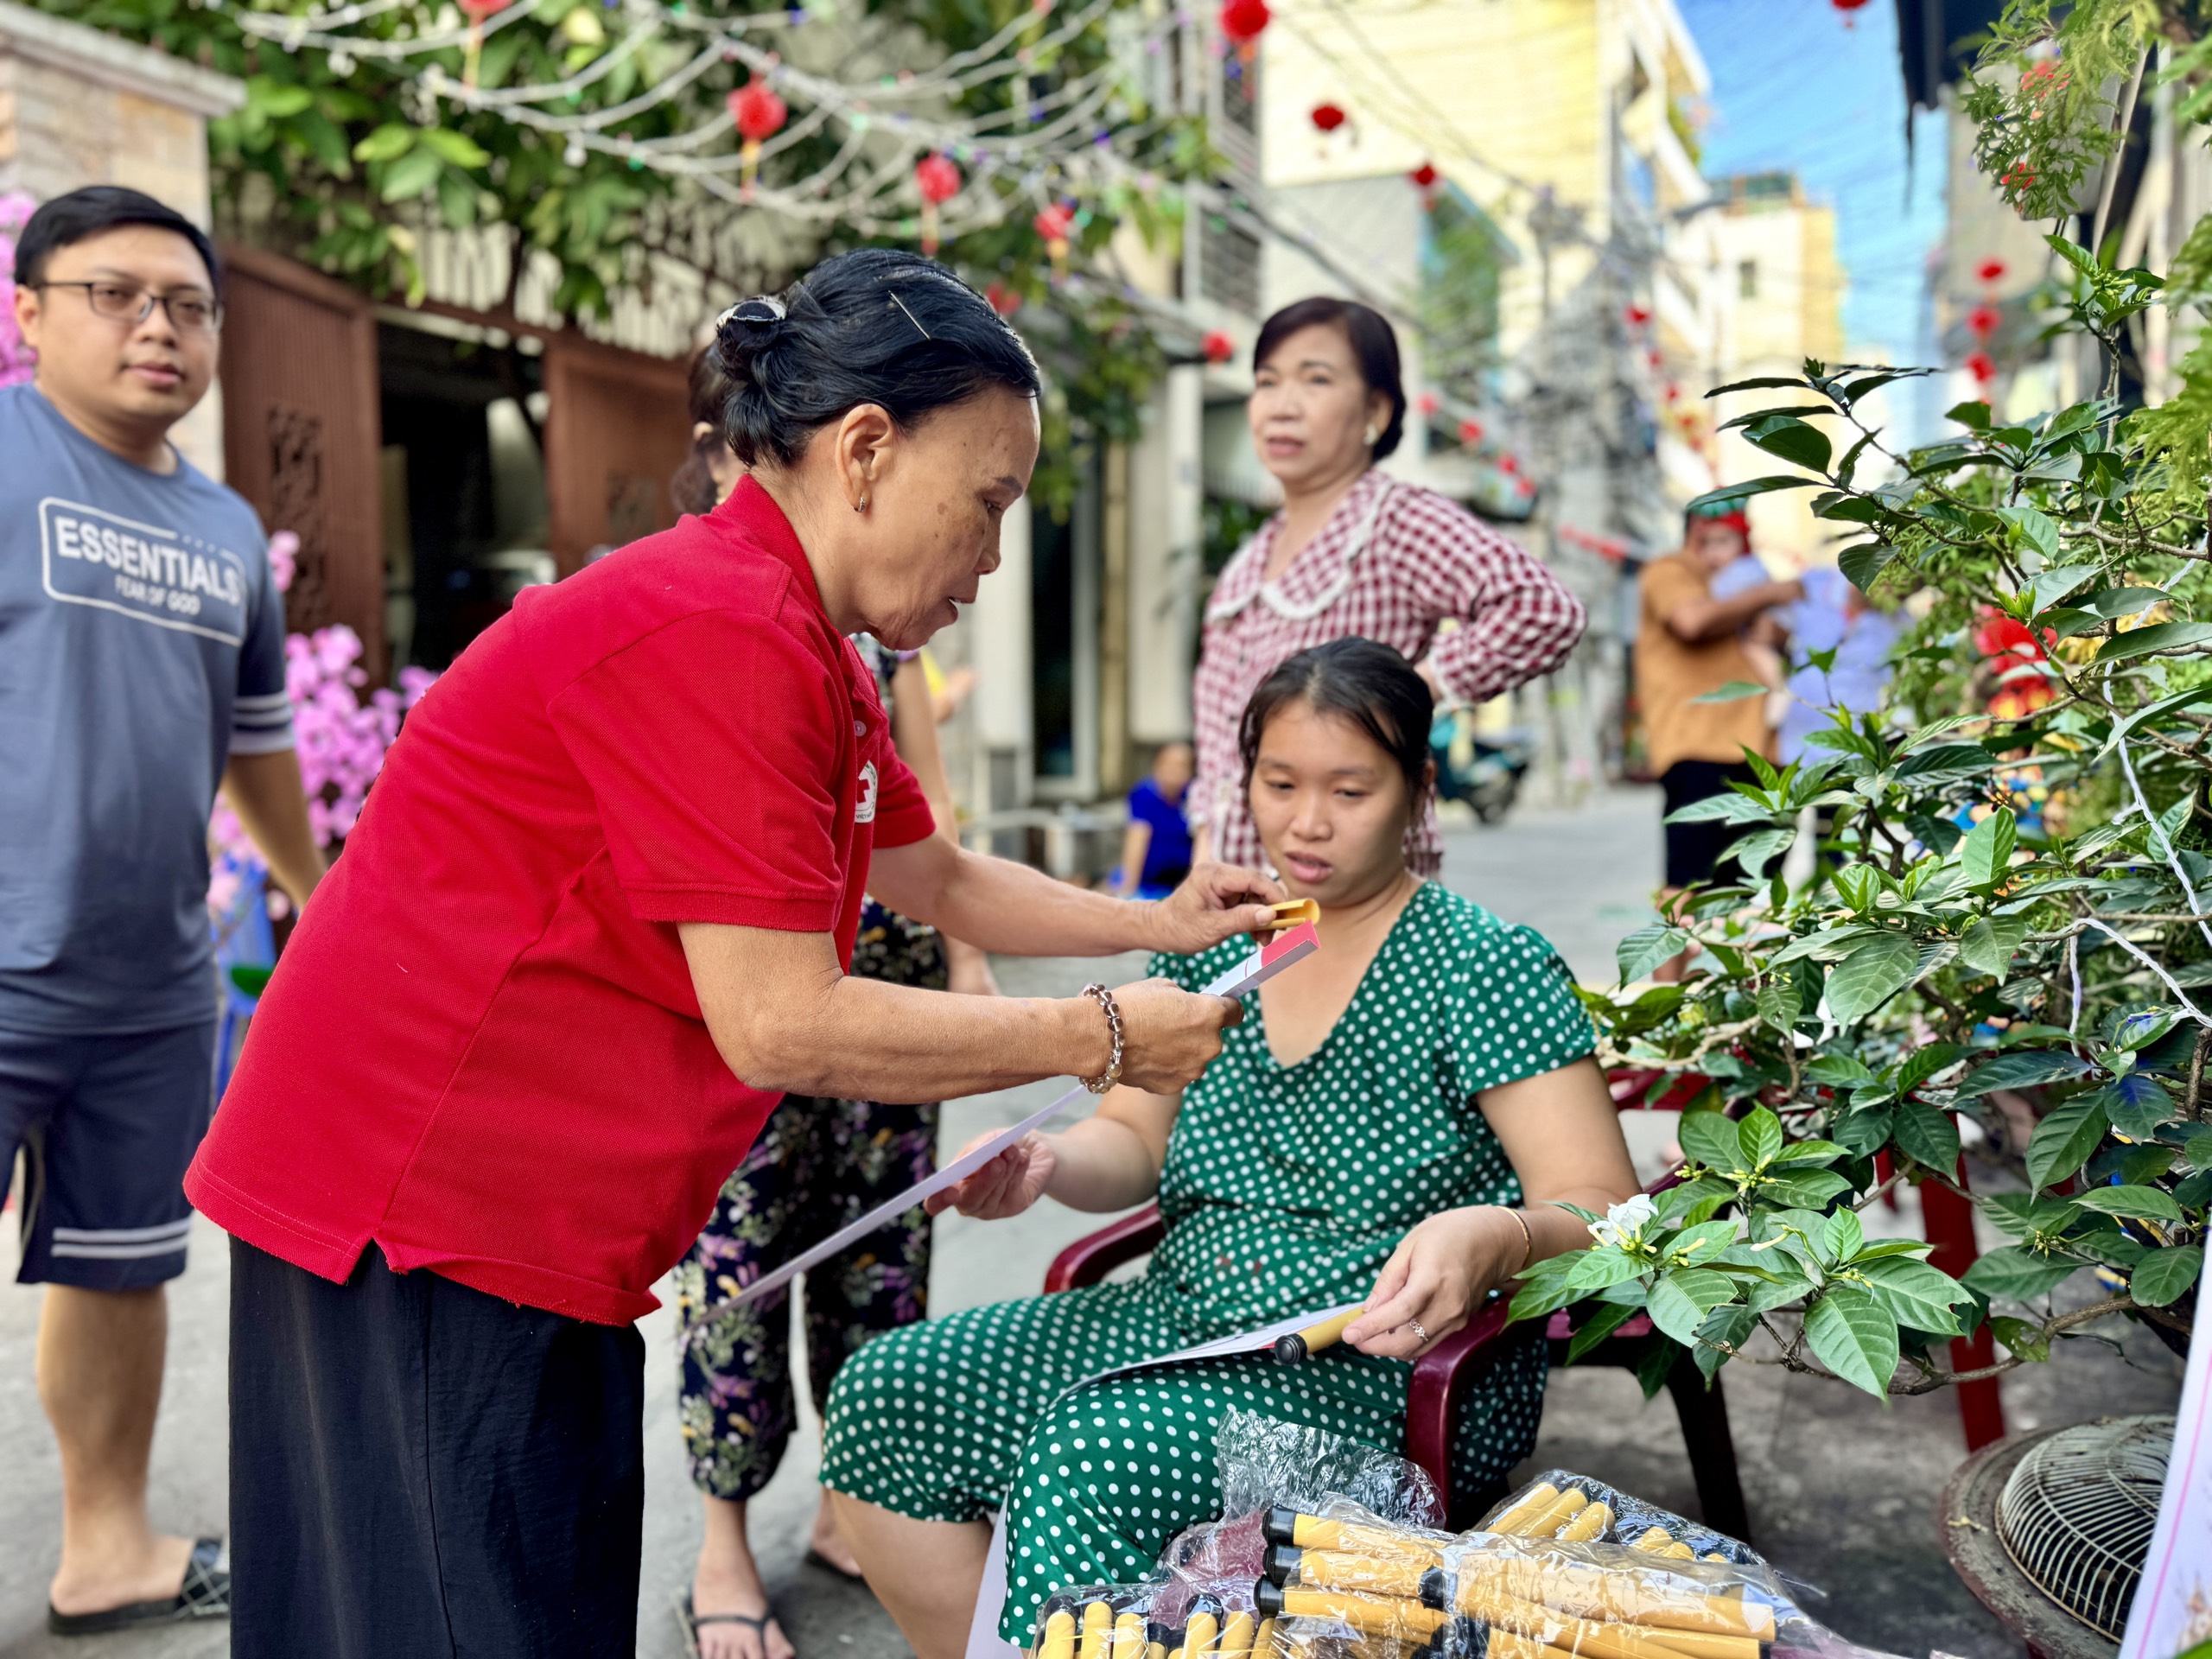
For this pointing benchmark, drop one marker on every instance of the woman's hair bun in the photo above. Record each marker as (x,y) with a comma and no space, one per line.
(745,330)
(874,326)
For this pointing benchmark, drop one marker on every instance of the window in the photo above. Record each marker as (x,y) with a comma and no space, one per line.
(1229,264)
(1747,280)
(1240,95)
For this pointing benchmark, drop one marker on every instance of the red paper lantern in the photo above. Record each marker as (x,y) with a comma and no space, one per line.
(1424,176)
(1980,364)
(1327,116)
(1506,464)
(1428,402)
(1243,21)
(1471,431)
(938,180)
(758,113)
(1983,319)
(1991,270)
(1003,300)
(1219,348)
(1636,315)
(1055,222)
(480,11)
(1847,5)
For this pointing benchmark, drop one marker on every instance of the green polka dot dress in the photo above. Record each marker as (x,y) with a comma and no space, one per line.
(1285,1190)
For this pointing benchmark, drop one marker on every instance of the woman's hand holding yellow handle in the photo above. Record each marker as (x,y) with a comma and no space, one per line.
(1436,1279)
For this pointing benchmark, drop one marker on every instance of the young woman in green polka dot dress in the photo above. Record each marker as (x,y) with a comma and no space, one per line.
(1371,1130)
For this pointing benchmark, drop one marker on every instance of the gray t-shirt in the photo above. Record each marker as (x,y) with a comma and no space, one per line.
(141,643)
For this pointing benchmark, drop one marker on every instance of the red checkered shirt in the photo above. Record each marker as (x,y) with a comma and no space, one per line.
(1393,562)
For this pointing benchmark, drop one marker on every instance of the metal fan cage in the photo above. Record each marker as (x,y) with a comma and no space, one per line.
(2077,1513)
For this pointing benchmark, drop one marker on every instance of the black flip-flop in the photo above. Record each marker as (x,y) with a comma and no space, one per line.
(205,1593)
(693,1620)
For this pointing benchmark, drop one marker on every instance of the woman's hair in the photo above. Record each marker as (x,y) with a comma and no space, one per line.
(874,325)
(1374,347)
(693,488)
(1370,685)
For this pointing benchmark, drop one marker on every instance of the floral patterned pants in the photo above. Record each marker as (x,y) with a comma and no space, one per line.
(817,1165)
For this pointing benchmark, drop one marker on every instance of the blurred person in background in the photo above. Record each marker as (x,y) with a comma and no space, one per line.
(817,1165)
(1355,552)
(1833,616)
(1687,644)
(1156,845)
(141,664)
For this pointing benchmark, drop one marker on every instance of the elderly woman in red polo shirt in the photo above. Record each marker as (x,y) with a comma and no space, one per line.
(1355,553)
(593,923)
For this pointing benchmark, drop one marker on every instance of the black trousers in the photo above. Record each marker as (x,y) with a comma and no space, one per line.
(420,1469)
(1693,849)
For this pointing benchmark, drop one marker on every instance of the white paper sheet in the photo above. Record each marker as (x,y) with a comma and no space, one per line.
(1293,946)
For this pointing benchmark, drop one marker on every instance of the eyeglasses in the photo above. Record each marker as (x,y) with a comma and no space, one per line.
(191,312)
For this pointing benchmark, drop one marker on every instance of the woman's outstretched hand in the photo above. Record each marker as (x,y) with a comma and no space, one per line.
(1216,902)
(1438,1275)
(1007,1185)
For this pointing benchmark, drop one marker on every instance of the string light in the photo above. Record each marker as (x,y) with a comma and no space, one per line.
(1059,143)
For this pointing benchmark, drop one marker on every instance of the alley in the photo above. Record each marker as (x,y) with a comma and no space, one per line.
(1861,1526)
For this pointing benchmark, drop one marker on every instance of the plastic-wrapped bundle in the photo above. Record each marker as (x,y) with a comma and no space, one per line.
(1565,1506)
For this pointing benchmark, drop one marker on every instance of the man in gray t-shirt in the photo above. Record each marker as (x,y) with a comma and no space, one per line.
(142,664)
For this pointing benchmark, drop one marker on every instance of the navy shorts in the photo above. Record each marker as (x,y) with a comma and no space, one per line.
(106,1126)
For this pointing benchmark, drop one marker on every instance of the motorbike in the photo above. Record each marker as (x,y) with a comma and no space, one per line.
(1483,770)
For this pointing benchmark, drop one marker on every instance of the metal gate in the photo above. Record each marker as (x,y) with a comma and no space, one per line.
(301,427)
(617,426)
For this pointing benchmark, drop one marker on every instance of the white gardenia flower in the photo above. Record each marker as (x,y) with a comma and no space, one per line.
(1623,1222)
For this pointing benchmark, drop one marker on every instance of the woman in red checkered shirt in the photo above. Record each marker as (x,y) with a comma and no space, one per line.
(1356,552)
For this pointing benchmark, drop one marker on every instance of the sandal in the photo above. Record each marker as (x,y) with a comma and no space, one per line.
(692,1621)
(205,1593)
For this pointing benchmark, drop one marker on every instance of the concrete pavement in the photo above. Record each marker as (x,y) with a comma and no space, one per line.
(1842,1491)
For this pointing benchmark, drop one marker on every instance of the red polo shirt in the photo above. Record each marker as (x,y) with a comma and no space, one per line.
(482,1049)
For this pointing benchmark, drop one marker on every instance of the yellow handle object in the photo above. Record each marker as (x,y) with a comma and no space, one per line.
(1591,1523)
(1059,1638)
(1301,1345)
(1654,1541)
(1679,1551)
(1290,913)
(1199,1638)
(1586,1637)
(1264,1645)
(1405,1621)
(1098,1630)
(1128,1636)
(1527,1509)
(1236,1637)
(1580,1590)
(1353,1537)
(1564,1508)
(1327,1570)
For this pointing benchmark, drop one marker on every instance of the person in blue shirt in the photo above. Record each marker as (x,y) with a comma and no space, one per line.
(1156,846)
(142,664)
